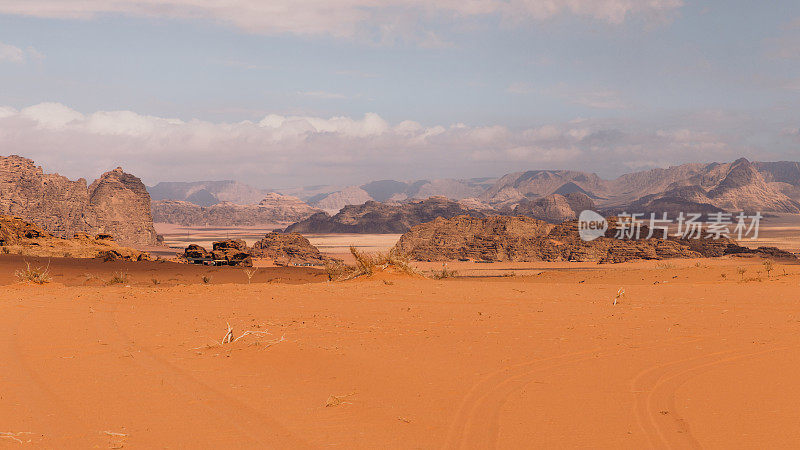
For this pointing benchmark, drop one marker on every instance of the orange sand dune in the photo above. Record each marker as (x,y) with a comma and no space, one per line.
(686,358)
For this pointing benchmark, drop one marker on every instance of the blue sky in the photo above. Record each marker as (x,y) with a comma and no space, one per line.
(309,92)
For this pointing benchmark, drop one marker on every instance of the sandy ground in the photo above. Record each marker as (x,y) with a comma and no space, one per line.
(694,354)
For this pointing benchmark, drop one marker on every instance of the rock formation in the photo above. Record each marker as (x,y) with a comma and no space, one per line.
(375,217)
(122,207)
(273,208)
(555,208)
(287,248)
(18,236)
(116,204)
(230,252)
(501,238)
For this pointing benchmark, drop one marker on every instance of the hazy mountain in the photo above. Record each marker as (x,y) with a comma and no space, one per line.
(207,193)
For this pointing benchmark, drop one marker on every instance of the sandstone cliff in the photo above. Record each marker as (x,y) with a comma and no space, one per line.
(116,204)
(18,236)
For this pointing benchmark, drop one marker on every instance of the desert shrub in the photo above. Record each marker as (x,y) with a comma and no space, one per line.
(6,250)
(365,263)
(741,271)
(118,278)
(444,273)
(38,275)
(769,266)
(206,279)
(337,271)
(155,281)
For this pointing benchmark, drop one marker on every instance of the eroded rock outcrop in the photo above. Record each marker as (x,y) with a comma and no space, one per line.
(19,236)
(287,248)
(117,203)
(500,238)
(122,207)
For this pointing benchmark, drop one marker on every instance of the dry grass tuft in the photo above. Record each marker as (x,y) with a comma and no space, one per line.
(367,263)
(120,277)
(769,266)
(445,273)
(38,275)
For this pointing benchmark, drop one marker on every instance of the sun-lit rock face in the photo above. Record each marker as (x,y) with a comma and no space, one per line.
(117,203)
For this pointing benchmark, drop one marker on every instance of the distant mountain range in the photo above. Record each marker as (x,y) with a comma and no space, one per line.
(552,195)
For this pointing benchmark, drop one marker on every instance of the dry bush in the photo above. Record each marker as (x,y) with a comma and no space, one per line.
(120,277)
(366,264)
(38,275)
(769,266)
(396,258)
(207,279)
(338,271)
(445,273)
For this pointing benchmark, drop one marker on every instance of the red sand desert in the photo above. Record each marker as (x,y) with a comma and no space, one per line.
(694,354)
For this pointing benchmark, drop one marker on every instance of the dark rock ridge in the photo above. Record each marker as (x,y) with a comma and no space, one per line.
(116,204)
(503,238)
(230,252)
(375,217)
(273,208)
(283,248)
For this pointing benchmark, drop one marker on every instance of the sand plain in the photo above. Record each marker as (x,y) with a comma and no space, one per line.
(694,354)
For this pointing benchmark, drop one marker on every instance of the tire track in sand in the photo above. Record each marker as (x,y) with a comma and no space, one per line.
(655,388)
(249,422)
(476,422)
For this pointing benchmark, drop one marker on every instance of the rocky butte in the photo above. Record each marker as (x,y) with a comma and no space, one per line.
(115,204)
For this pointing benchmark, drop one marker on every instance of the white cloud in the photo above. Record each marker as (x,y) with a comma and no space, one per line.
(322,95)
(10,53)
(14,54)
(296,150)
(342,17)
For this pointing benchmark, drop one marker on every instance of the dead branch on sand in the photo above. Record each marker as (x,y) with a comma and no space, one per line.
(336,400)
(230,338)
(620,295)
(15,436)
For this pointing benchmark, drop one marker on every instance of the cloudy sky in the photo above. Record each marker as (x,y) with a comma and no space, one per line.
(284,93)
